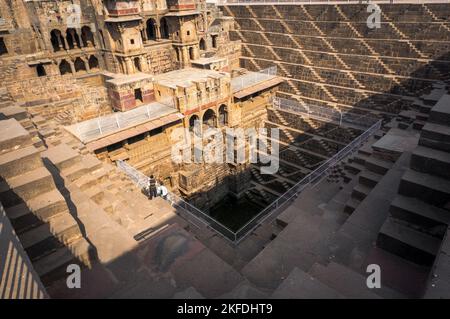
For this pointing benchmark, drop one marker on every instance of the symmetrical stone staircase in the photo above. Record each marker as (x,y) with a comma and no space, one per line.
(419,215)
(39,213)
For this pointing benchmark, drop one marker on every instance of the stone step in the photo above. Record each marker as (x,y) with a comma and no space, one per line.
(46,132)
(440,113)
(75,172)
(405,242)
(351,205)
(342,279)
(354,168)
(96,194)
(19,161)
(429,188)
(13,136)
(14,111)
(418,125)
(47,205)
(300,285)
(378,166)
(360,158)
(360,192)
(431,161)
(417,212)
(38,143)
(40,209)
(27,186)
(365,150)
(53,266)
(22,218)
(62,156)
(38,120)
(92,179)
(62,229)
(91,162)
(435,136)
(369,179)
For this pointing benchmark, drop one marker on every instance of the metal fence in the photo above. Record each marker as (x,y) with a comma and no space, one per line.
(188,211)
(263,2)
(311,179)
(241,82)
(323,113)
(191,213)
(99,126)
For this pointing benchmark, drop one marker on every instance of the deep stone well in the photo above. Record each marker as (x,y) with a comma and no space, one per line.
(76,99)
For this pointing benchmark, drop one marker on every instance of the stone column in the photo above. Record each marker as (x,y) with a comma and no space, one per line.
(185,55)
(158,32)
(66,44)
(144,34)
(86,63)
(72,67)
(75,43)
(60,44)
(129,66)
(143,63)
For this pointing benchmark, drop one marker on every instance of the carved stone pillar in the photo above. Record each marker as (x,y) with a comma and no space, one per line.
(129,66)
(72,67)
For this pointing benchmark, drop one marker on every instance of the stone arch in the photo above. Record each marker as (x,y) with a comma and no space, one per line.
(214,40)
(80,65)
(202,44)
(151,29)
(64,67)
(192,120)
(209,118)
(191,53)
(164,27)
(73,40)
(137,64)
(40,70)
(57,40)
(93,62)
(223,115)
(87,37)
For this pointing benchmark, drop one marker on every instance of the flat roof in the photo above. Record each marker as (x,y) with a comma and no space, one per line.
(204,61)
(130,78)
(185,77)
(133,131)
(105,126)
(124,18)
(253,82)
(182,13)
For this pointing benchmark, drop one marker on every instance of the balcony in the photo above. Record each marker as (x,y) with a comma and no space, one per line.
(181,5)
(122,8)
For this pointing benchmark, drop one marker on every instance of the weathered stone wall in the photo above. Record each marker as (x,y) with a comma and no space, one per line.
(330,56)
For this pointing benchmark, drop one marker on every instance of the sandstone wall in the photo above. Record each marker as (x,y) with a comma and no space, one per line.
(331,57)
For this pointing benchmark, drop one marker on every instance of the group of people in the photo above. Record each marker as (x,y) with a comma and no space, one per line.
(155,189)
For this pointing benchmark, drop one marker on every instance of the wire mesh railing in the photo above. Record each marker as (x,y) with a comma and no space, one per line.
(102,125)
(188,210)
(191,213)
(311,179)
(249,79)
(323,113)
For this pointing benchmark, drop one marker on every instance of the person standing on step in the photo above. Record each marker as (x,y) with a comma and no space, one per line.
(162,190)
(151,187)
